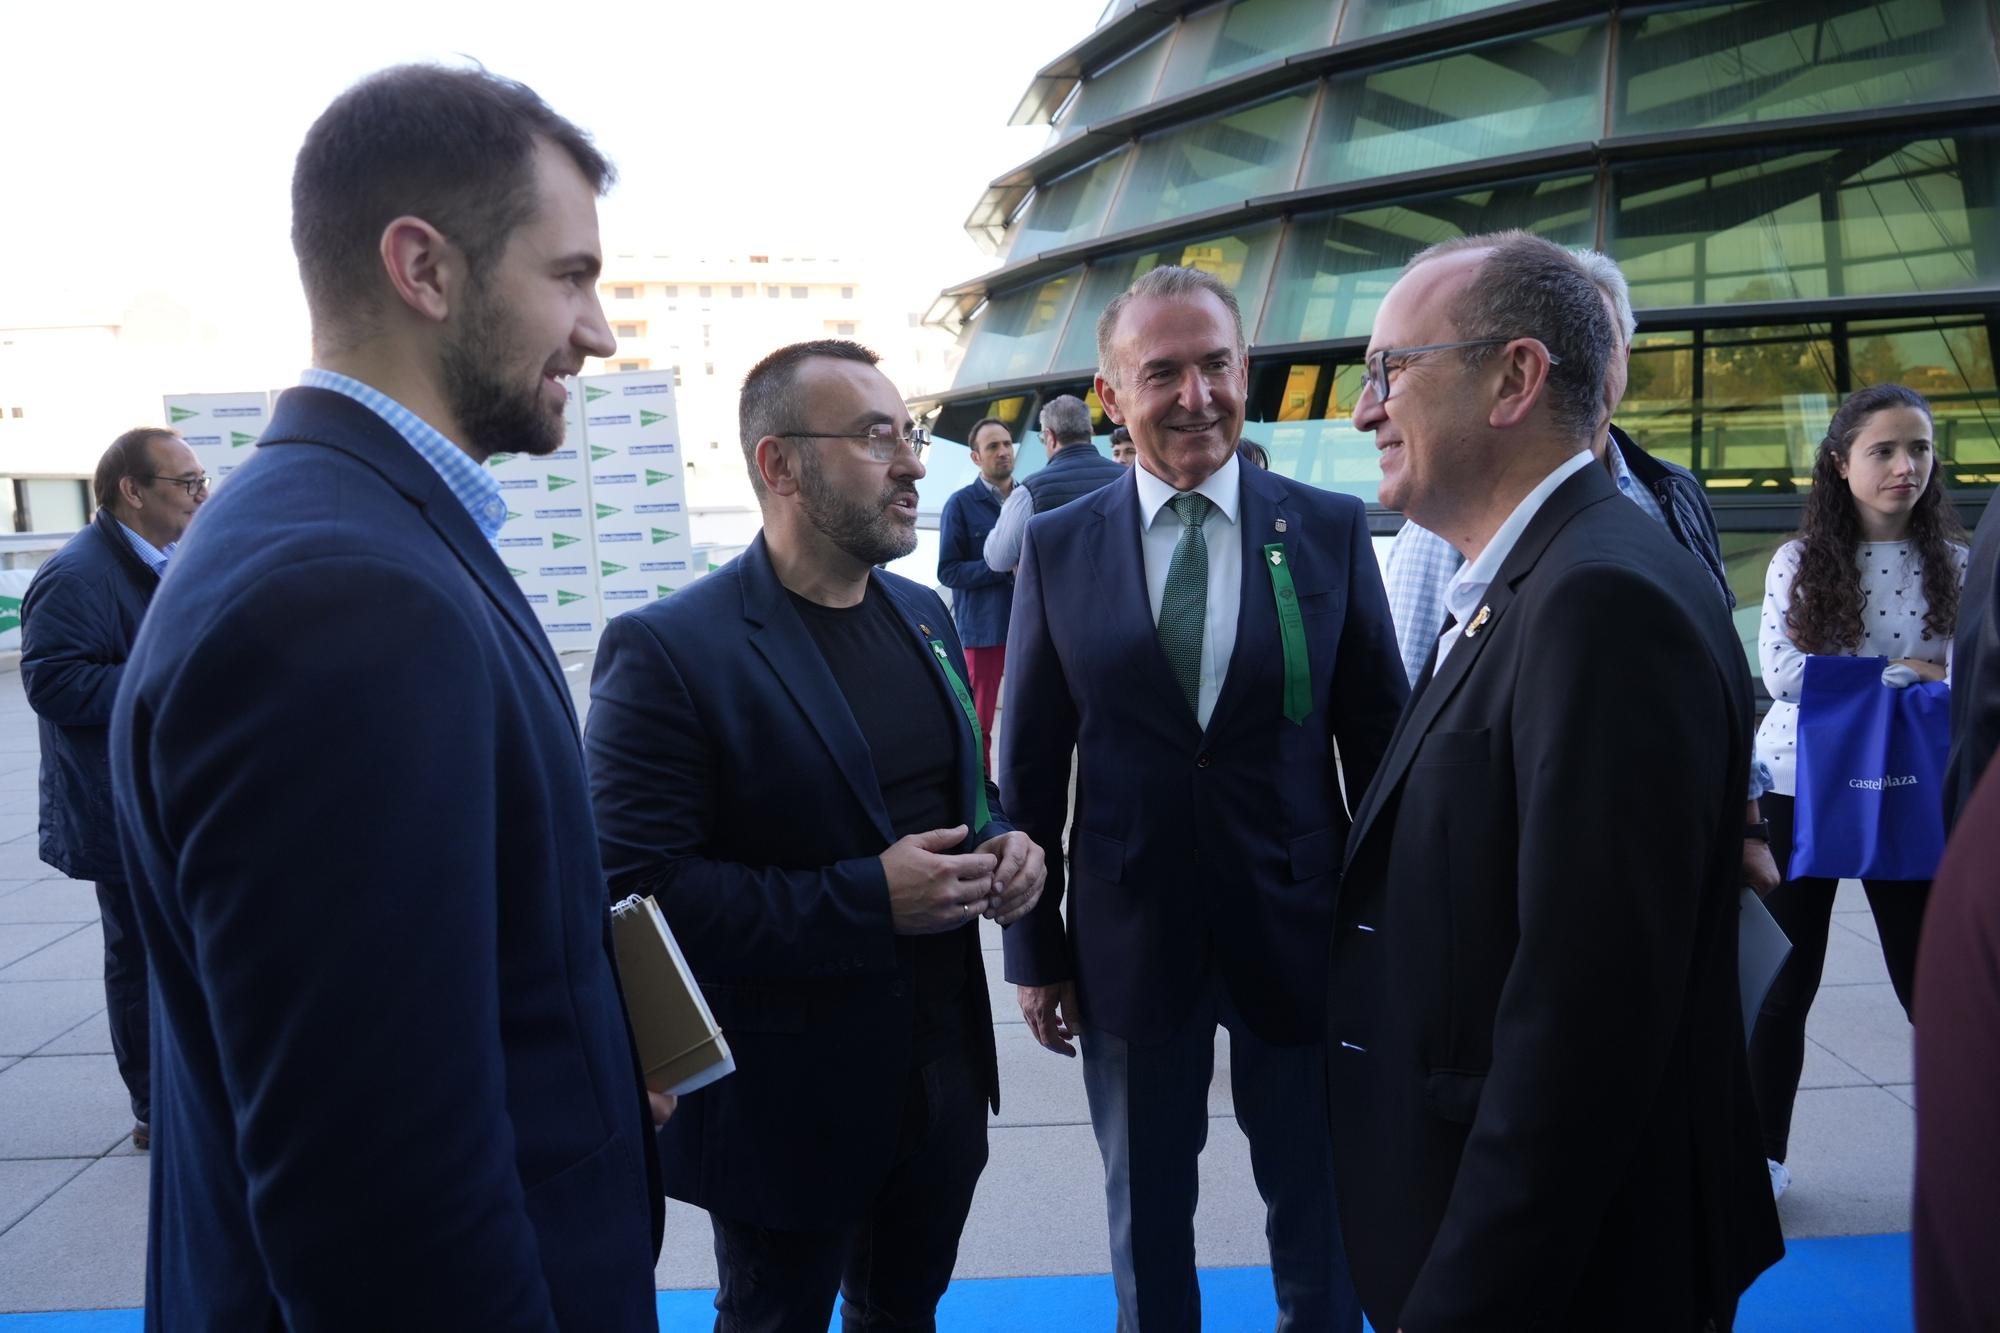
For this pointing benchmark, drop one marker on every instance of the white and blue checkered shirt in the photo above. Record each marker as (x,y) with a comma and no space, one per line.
(155,557)
(472,484)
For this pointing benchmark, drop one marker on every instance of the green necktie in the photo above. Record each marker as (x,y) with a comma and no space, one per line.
(1184,604)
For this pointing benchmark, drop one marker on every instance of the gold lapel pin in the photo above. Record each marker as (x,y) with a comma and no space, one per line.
(925,630)
(1281,525)
(1485,614)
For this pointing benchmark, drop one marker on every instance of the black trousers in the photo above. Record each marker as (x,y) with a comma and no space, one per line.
(891,1265)
(125,995)
(1804,908)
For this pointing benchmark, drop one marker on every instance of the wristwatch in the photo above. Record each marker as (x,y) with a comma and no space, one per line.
(1758,832)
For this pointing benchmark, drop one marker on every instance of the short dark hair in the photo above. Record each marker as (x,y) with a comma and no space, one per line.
(1528,287)
(1120,435)
(1252,452)
(129,456)
(769,401)
(972,436)
(452,146)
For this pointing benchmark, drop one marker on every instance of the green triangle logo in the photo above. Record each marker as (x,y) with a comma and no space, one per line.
(237,439)
(655,478)
(606,511)
(662,590)
(648,418)
(10,613)
(609,569)
(557,483)
(591,393)
(565,598)
(517,573)
(511,516)
(561,539)
(662,535)
(497,459)
(598,453)
(180,414)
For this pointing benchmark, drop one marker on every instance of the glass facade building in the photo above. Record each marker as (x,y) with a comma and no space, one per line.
(1804,197)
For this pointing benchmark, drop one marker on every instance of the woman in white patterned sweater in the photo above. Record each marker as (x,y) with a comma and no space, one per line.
(1874,572)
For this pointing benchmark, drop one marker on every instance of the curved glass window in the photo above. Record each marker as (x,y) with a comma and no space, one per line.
(1371,18)
(1243,261)
(1510,96)
(1117,88)
(1858,219)
(1308,429)
(1068,209)
(1225,160)
(1734,64)
(1336,267)
(1229,39)
(1013,336)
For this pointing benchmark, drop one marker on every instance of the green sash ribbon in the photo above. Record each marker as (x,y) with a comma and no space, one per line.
(982,815)
(1292,630)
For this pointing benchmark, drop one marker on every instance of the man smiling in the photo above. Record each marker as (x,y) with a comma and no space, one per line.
(1200,633)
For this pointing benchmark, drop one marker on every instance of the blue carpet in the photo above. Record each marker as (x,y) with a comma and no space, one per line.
(1839,1284)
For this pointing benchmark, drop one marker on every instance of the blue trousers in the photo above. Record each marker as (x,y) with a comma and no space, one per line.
(1149,1108)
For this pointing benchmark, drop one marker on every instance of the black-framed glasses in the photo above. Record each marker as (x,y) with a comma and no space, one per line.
(882,439)
(1376,369)
(194,486)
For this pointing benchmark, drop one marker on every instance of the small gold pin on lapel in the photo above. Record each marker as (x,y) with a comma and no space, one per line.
(924,629)
(1281,525)
(1478,621)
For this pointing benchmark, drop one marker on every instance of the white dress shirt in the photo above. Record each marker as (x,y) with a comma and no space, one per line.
(1160,532)
(1467,589)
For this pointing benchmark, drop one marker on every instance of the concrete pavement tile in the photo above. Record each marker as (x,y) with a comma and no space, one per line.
(1037,1087)
(1823,1069)
(34,1012)
(21,859)
(1859,923)
(51,900)
(8,886)
(62,1106)
(24,1185)
(687,1254)
(1850,897)
(1000,993)
(1850,1159)
(1906,1093)
(1864,1026)
(90,1037)
(21,939)
(77,955)
(1039,1208)
(84,1249)
(1851,959)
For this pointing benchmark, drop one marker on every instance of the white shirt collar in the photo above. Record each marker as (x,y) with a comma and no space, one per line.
(1468,587)
(1223,487)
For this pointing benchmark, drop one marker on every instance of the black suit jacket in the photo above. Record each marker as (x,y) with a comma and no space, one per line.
(1975,669)
(1536,1057)
(733,784)
(393,1086)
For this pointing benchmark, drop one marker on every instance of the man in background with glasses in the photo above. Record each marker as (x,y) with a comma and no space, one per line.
(786,755)
(1541,1104)
(78,620)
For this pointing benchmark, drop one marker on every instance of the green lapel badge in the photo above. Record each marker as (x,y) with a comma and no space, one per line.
(1292,634)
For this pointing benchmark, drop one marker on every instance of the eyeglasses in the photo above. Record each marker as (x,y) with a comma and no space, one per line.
(882,439)
(194,486)
(1376,371)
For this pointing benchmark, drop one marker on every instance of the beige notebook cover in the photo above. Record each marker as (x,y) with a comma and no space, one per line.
(680,1047)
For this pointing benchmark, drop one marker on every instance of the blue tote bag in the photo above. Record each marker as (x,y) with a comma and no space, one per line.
(1871,762)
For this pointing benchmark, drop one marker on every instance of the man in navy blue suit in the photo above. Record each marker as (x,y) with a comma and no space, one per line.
(981,596)
(1203,635)
(393,1083)
(787,757)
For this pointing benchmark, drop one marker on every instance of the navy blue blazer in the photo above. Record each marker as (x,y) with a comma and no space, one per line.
(78,620)
(734,785)
(1191,850)
(981,596)
(393,1086)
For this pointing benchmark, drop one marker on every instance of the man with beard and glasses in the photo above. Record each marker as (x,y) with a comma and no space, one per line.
(393,1081)
(786,756)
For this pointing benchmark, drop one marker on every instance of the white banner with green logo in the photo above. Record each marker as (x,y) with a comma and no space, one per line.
(546,541)
(13,587)
(222,428)
(638,489)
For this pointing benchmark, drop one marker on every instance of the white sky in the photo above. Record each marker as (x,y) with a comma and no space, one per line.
(148,147)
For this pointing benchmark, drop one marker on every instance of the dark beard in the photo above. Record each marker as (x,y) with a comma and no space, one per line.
(865,532)
(495,416)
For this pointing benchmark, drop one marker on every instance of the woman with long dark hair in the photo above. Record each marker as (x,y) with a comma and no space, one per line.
(1874,572)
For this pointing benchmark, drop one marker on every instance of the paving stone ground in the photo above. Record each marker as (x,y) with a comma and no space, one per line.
(73,1193)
